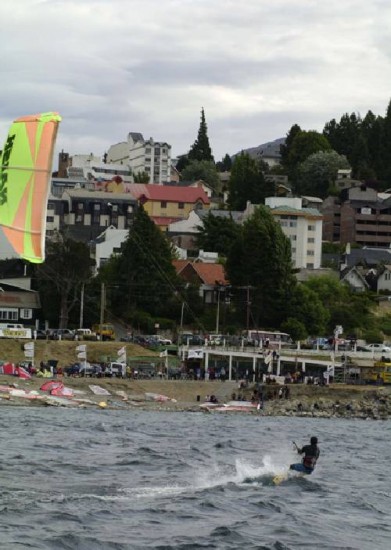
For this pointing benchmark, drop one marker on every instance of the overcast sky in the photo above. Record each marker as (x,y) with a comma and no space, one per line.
(257,67)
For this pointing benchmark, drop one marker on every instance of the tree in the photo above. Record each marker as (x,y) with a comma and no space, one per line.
(247,183)
(348,139)
(225,164)
(373,133)
(260,258)
(202,170)
(66,268)
(318,173)
(183,161)
(200,150)
(142,276)
(346,308)
(141,177)
(216,234)
(305,144)
(306,307)
(286,147)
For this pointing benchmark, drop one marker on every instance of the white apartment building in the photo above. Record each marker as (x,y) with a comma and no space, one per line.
(152,157)
(108,243)
(303,227)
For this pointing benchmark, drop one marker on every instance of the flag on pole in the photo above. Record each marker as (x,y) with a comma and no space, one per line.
(29,346)
(163,353)
(82,355)
(122,351)
(83,347)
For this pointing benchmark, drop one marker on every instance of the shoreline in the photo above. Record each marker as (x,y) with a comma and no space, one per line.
(306,401)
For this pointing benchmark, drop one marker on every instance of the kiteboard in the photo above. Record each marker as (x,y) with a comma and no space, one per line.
(279,478)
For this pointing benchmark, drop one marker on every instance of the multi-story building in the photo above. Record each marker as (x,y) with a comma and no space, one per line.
(360,215)
(152,157)
(86,214)
(106,244)
(303,227)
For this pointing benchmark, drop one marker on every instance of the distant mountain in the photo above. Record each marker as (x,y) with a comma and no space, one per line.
(271,149)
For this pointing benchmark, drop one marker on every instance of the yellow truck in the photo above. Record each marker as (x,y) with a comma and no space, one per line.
(104,331)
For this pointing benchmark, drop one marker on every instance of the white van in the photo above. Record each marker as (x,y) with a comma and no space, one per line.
(116,369)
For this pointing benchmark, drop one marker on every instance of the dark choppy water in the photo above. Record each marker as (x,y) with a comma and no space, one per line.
(136,480)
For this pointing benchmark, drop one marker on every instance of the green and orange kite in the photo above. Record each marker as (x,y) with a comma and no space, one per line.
(25,172)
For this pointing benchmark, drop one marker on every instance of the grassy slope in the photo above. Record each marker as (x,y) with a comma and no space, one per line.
(65,352)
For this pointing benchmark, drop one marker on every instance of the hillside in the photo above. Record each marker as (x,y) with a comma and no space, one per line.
(65,352)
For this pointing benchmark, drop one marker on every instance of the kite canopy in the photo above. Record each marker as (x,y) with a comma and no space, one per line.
(25,172)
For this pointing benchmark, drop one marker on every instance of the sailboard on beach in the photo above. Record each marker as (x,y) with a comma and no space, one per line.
(25,172)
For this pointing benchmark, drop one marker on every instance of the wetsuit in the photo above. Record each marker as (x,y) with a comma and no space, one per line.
(311,455)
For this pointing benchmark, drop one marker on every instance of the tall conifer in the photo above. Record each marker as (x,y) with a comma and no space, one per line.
(201,150)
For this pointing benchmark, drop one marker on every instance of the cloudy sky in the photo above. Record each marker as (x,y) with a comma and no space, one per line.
(256,66)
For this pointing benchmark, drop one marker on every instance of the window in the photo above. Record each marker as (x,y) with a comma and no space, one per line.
(311,228)
(163,204)
(181,205)
(310,266)
(50,219)
(293,237)
(148,151)
(114,208)
(26,313)
(8,314)
(130,209)
(311,253)
(283,223)
(293,250)
(96,206)
(293,223)
(310,240)
(80,205)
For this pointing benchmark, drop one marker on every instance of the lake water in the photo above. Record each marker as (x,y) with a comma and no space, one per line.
(99,479)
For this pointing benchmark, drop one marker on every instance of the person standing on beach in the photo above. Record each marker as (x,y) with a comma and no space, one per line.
(311,454)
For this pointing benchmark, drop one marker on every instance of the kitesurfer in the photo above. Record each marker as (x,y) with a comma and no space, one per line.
(311,454)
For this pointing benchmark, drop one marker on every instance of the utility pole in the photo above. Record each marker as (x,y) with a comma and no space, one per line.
(81,306)
(218,310)
(102,307)
(248,303)
(182,315)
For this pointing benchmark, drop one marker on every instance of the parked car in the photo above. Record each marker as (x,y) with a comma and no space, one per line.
(62,334)
(88,369)
(72,370)
(115,370)
(164,341)
(85,334)
(377,347)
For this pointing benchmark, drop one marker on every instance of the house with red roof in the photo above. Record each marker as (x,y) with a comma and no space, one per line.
(168,203)
(210,277)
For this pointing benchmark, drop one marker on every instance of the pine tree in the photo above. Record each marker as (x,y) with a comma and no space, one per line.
(200,150)
(261,258)
(143,275)
(247,183)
